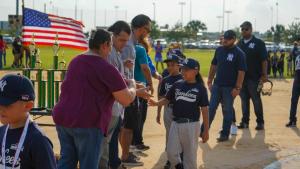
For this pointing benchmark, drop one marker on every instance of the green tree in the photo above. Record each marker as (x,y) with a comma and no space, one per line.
(293,32)
(176,33)
(193,27)
(279,33)
(155,31)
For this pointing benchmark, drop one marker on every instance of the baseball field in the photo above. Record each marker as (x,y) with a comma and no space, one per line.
(277,147)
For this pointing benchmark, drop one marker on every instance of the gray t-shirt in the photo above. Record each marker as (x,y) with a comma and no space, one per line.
(114,59)
(128,53)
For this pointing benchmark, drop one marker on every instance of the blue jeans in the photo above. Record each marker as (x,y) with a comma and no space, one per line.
(114,160)
(249,91)
(79,144)
(221,95)
(294,100)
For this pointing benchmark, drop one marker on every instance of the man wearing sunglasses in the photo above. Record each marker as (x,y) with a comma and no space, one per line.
(256,58)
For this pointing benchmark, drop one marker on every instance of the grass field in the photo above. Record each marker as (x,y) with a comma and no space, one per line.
(46,56)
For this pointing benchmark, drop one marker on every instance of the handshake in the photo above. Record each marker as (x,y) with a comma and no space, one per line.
(141,90)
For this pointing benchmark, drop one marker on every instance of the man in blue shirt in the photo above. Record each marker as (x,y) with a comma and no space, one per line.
(295,94)
(256,57)
(229,66)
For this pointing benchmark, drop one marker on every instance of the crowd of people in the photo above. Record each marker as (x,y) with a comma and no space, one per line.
(107,90)
(18,50)
(276,62)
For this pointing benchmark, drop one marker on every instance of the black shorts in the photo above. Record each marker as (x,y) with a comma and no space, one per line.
(131,115)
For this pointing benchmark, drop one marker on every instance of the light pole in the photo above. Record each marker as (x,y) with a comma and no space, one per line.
(271,16)
(277,13)
(154,11)
(95,9)
(190,10)
(223,21)
(228,13)
(116,12)
(76,1)
(181,4)
(219,22)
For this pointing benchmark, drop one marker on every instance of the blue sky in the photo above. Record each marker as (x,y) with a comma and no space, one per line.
(168,11)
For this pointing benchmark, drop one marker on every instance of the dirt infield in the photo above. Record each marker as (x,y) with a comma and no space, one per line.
(248,150)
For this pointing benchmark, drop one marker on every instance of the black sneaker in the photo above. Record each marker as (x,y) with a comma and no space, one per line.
(291,124)
(243,125)
(131,155)
(167,165)
(179,166)
(222,139)
(130,161)
(260,127)
(142,147)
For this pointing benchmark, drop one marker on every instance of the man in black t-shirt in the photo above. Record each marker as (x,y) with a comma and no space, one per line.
(228,68)
(256,58)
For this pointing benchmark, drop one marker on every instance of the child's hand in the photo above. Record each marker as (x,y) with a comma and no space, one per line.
(205,136)
(152,102)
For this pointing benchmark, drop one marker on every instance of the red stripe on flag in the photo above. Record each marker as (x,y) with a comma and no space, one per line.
(54,32)
(63,27)
(51,38)
(74,21)
(66,23)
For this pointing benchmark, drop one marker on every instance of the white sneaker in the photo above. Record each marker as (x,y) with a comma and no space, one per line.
(233,129)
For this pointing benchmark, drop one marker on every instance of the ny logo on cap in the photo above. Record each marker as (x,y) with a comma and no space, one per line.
(3,83)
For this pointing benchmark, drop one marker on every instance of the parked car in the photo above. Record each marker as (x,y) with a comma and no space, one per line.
(8,39)
(163,42)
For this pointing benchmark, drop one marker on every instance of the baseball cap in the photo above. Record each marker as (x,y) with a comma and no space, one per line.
(14,88)
(190,63)
(246,24)
(172,57)
(230,34)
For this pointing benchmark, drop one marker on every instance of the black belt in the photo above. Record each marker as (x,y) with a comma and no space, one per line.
(184,120)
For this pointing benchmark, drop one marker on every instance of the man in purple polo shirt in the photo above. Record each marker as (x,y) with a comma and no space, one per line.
(84,110)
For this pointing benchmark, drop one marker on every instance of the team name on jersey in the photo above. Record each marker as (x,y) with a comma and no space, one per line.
(186,96)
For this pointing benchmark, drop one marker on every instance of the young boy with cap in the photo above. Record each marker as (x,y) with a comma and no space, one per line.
(189,100)
(174,70)
(23,143)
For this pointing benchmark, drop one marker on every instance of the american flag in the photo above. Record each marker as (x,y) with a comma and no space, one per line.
(45,27)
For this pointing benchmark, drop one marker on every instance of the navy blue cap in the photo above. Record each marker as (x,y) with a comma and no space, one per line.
(190,63)
(178,53)
(172,57)
(246,24)
(230,34)
(14,88)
